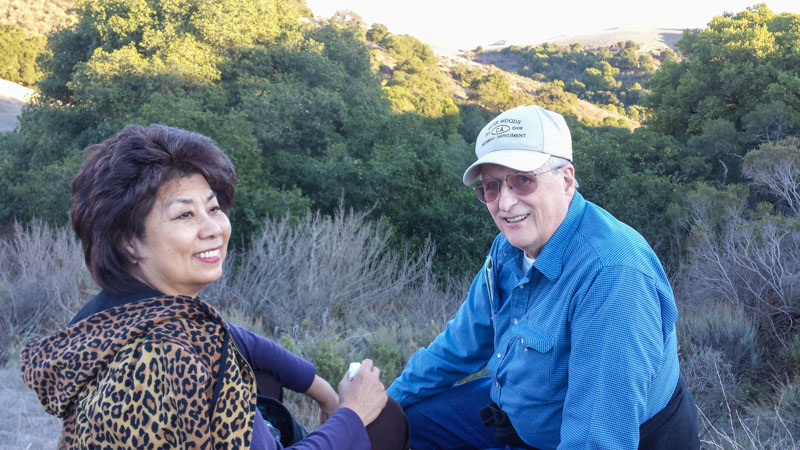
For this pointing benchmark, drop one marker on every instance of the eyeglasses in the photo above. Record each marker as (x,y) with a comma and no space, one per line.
(523,183)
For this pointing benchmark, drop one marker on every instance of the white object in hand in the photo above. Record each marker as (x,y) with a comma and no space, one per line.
(353,370)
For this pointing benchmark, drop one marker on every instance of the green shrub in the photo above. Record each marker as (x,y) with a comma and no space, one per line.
(18,54)
(791,357)
(387,356)
(330,357)
(726,329)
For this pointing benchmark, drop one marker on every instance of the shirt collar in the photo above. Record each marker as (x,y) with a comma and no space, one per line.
(142,291)
(551,259)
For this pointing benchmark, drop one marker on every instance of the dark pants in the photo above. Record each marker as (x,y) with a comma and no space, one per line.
(450,421)
(389,431)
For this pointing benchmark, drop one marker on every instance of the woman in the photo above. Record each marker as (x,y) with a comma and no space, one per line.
(146,363)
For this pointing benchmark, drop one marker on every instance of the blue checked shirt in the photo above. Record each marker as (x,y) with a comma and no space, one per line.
(581,348)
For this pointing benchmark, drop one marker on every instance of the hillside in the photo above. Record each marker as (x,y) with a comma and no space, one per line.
(650,39)
(584,111)
(12,98)
(38,16)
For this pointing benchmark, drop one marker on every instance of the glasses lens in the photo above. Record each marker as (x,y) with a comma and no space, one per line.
(491,189)
(480,194)
(523,183)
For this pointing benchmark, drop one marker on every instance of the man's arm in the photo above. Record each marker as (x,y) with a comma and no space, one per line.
(460,350)
(617,345)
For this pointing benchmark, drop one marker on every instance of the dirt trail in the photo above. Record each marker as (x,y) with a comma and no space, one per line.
(23,423)
(12,98)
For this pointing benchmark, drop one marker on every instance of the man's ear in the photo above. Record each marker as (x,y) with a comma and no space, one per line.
(568,172)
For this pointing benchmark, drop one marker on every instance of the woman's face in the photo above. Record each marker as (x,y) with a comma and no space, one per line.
(185,238)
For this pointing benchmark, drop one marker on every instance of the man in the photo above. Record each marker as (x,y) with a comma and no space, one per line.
(571,314)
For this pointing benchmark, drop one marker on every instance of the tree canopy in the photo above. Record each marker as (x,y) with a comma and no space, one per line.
(296,106)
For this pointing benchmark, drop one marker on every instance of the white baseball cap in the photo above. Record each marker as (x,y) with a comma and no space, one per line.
(522,139)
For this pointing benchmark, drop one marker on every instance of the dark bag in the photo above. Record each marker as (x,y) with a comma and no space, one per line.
(494,417)
(282,423)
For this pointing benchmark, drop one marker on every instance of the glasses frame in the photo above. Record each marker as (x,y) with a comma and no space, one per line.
(481,194)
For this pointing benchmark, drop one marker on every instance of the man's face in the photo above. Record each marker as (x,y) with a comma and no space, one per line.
(528,221)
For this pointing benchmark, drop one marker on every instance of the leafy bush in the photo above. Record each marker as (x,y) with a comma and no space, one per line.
(18,54)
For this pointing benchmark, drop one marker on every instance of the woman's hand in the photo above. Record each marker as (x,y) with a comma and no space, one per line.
(364,394)
(327,399)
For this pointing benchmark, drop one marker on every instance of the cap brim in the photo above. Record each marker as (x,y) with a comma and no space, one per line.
(520,160)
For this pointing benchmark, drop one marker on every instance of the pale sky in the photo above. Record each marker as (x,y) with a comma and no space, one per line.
(464,24)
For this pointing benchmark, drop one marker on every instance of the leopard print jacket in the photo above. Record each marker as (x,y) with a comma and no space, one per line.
(157,373)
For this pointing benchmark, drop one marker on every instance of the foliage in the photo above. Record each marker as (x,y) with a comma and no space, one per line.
(18,54)
(333,290)
(776,168)
(296,107)
(416,83)
(610,76)
(635,176)
(493,93)
(320,274)
(739,63)
(769,426)
(724,328)
(719,143)
(746,258)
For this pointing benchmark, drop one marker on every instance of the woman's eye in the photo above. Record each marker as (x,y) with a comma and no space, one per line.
(186,215)
(215,209)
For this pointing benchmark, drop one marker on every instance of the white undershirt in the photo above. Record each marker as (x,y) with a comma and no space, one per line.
(527,262)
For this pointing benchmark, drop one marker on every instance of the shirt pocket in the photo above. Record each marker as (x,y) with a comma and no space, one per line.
(531,360)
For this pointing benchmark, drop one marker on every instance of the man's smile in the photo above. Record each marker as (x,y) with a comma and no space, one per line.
(516,219)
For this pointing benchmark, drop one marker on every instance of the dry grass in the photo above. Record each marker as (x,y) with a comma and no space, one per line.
(331,290)
(751,428)
(23,423)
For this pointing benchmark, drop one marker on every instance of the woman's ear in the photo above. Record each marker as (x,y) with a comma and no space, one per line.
(132,249)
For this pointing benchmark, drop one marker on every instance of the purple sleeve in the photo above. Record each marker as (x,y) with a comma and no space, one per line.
(262,439)
(343,430)
(290,370)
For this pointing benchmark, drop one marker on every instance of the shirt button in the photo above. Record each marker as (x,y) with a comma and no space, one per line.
(498,384)
(516,321)
(526,350)
(521,286)
(522,341)
(499,355)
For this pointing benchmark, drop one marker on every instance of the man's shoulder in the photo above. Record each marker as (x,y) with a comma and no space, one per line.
(603,240)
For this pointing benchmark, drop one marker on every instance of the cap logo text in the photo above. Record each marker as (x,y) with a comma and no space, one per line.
(500,129)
